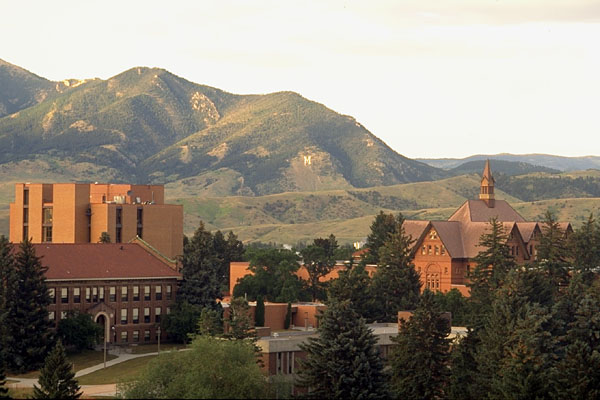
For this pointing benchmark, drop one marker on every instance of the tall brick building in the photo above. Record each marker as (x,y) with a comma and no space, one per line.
(79,213)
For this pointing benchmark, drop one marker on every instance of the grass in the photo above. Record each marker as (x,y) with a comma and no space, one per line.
(117,373)
(82,360)
(20,393)
(152,348)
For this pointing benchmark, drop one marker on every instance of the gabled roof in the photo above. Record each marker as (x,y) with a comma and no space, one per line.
(449,233)
(527,229)
(83,261)
(478,211)
(415,229)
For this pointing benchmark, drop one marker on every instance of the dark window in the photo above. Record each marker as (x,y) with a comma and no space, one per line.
(158,292)
(147,293)
(136,316)
(119,216)
(118,239)
(157,312)
(124,293)
(136,293)
(76,295)
(25,197)
(146,335)
(88,295)
(112,294)
(52,294)
(95,294)
(147,315)
(47,234)
(136,336)
(25,233)
(64,295)
(124,337)
(26,215)
(139,222)
(169,292)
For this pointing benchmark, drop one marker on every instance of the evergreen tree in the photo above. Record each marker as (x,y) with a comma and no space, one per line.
(461,384)
(288,317)
(239,325)
(553,252)
(396,284)
(28,330)
(6,269)
(200,269)
(353,284)
(3,388)
(343,361)
(182,321)
(492,265)
(104,238)
(382,227)
(577,375)
(210,323)
(259,315)
(584,247)
(57,379)
(420,359)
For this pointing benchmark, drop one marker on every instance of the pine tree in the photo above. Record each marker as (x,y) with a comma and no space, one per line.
(553,253)
(353,284)
(584,247)
(492,265)
(210,323)
(3,388)
(343,361)
(28,330)
(6,269)
(382,227)
(259,315)
(57,379)
(396,285)
(420,359)
(104,238)
(200,269)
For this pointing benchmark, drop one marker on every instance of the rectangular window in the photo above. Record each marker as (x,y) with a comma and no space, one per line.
(47,216)
(76,295)
(25,197)
(25,233)
(443,250)
(437,250)
(101,293)
(136,336)
(157,312)
(95,294)
(168,292)
(88,295)
(146,315)
(158,292)
(140,222)
(428,249)
(63,315)
(26,215)
(279,367)
(424,250)
(146,335)
(136,316)
(147,293)
(51,315)
(291,362)
(124,293)
(112,294)
(52,294)
(136,293)
(168,310)
(118,238)
(123,316)
(64,295)
(124,337)
(47,234)
(119,216)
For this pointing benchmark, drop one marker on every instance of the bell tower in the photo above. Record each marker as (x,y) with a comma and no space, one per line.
(486,192)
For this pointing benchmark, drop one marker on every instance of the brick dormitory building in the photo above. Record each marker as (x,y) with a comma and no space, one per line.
(127,285)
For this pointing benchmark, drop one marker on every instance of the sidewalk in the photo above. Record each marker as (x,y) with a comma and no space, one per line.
(88,390)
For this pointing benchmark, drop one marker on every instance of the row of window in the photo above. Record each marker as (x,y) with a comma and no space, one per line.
(135,336)
(135,317)
(287,358)
(95,294)
(435,249)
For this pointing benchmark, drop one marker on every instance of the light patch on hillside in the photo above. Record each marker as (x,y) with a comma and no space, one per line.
(185,154)
(369,142)
(48,119)
(258,151)
(220,151)
(377,166)
(201,103)
(15,115)
(82,126)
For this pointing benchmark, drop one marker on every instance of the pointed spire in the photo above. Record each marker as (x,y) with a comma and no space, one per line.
(486,192)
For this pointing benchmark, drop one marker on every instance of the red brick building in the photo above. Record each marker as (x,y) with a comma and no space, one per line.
(125,287)
(443,251)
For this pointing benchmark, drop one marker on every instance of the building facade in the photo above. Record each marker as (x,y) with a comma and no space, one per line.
(80,213)
(125,288)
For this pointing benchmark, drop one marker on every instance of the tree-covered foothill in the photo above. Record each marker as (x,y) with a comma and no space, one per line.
(273,276)
(79,331)
(57,379)
(27,335)
(342,362)
(212,368)
(420,357)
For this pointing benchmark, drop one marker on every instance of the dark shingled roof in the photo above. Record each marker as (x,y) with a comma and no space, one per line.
(478,211)
(101,261)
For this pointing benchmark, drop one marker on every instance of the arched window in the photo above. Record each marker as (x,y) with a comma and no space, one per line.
(432,277)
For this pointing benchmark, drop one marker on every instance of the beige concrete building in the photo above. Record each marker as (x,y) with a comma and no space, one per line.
(80,213)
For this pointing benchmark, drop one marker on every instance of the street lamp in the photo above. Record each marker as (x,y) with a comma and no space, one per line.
(106,337)
(158,333)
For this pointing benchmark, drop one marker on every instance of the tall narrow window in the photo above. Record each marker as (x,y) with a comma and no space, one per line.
(168,292)
(101,293)
(136,316)
(147,293)
(158,292)
(26,196)
(124,337)
(76,295)
(112,294)
(140,219)
(123,316)
(47,224)
(146,315)
(118,238)
(157,312)
(136,293)
(136,336)
(52,294)
(124,293)
(64,295)
(88,295)
(95,294)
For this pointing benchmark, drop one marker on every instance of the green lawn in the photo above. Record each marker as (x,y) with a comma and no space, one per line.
(153,348)
(83,360)
(117,373)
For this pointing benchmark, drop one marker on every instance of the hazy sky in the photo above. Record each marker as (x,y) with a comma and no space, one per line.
(431,78)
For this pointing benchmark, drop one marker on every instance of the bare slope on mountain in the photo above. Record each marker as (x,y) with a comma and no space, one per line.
(152,126)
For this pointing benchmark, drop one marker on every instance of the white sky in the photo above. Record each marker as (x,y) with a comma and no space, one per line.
(431,78)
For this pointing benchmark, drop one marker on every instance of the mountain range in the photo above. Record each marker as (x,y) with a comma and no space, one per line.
(259,164)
